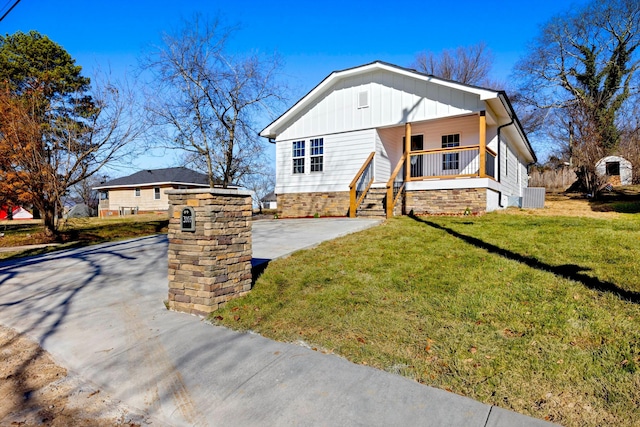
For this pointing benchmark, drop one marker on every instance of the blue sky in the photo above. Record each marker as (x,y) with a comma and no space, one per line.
(313,38)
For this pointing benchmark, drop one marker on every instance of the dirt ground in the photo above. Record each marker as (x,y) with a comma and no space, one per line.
(568,205)
(35,391)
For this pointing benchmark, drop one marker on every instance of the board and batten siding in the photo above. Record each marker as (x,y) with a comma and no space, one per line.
(344,154)
(392,99)
(513,171)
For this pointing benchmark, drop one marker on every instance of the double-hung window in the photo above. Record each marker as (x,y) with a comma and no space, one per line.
(156,193)
(298,157)
(451,161)
(317,154)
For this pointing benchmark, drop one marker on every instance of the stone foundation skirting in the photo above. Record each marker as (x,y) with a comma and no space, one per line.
(435,202)
(300,205)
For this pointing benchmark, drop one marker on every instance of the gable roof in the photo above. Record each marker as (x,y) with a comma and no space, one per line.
(495,98)
(180,175)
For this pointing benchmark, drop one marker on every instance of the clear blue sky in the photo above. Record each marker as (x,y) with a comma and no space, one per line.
(314,38)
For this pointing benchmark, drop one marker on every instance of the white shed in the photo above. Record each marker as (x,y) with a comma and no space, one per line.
(618,169)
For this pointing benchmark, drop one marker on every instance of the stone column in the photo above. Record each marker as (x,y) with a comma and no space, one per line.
(211,264)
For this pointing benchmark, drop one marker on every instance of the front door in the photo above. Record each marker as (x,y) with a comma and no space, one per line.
(417,144)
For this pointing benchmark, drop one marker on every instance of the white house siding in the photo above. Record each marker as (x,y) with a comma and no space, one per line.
(383,160)
(514,176)
(393,99)
(344,154)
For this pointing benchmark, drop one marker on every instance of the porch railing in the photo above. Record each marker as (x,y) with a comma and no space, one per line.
(360,185)
(490,163)
(395,185)
(450,162)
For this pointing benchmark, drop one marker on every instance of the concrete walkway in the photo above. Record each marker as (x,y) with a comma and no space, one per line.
(99,312)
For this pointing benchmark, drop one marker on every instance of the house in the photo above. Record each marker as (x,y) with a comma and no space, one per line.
(144,191)
(17,212)
(379,139)
(269,201)
(617,169)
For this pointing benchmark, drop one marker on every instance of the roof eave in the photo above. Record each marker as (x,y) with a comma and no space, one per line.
(147,184)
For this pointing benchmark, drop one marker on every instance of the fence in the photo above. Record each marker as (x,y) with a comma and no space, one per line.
(552,180)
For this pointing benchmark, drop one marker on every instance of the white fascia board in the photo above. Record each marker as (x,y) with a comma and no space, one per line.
(271,130)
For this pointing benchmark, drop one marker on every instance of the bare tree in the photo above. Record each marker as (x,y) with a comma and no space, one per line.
(469,65)
(261,184)
(77,149)
(205,100)
(579,77)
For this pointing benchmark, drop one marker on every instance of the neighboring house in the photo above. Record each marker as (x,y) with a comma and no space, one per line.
(617,169)
(144,191)
(381,139)
(18,212)
(269,201)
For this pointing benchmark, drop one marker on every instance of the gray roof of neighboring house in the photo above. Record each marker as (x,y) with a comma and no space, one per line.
(178,175)
(271,197)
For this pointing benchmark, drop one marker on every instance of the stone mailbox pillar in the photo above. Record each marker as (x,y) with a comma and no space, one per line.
(209,248)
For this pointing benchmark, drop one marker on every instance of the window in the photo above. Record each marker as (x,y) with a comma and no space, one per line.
(451,161)
(156,193)
(317,153)
(136,192)
(298,157)
(613,168)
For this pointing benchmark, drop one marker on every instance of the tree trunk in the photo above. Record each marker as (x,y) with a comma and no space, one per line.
(49,222)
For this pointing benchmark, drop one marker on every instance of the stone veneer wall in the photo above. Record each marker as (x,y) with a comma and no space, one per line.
(211,265)
(299,205)
(446,201)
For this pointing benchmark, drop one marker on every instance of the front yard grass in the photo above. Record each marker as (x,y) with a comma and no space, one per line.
(536,314)
(77,232)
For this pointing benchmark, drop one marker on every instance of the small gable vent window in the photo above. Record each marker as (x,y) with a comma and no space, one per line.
(363,99)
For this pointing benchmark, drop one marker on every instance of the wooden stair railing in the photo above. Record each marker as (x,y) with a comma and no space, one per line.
(394,187)
(360,185)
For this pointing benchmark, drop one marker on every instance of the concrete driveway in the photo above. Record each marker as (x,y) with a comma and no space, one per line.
(99,311)
(274,238)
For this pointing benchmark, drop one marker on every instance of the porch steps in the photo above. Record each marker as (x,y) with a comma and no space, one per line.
(373,205)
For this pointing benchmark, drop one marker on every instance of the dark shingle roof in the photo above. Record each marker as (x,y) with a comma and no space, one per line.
(271,197)
(179,175)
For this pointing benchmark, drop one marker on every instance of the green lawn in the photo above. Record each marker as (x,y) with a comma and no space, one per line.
(535,314)
(77,232)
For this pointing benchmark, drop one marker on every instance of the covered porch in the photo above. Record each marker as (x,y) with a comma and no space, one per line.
(444,149)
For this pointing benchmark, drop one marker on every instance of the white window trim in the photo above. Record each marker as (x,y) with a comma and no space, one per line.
(158,194)
(303,157)
(137,192)
(311,156)
(458,154)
